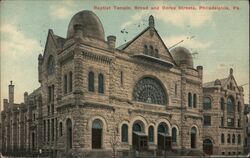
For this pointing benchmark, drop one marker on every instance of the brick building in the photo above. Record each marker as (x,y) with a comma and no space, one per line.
(95,97)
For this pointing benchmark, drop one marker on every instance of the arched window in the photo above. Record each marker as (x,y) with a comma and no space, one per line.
(149,90)
(70,81)
(91,85)
(65,85)
(145,49)
(137,127)
(233,139)
(194,101)
(60,129)
(221,103)
(69,133)
(44,130)
(156,53)
(189,100)
(100,83)
(125,133)
(238,107)
(163,128)
(33,141)
(97,124)
(230,104)
(222,138)
(207,103)
(151,50)
(239,139)
(151,134)
(51,67)
(174,135)
(228,138)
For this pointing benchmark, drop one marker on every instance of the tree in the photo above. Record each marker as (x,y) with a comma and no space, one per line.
(114,141)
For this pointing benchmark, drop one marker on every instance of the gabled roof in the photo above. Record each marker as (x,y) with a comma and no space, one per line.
(125,45)
(223,81)
(57,40)
(211,83)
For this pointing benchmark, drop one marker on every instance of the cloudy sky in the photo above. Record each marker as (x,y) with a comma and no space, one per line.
(219,40)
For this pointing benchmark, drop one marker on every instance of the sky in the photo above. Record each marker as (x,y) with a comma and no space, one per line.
(218,39)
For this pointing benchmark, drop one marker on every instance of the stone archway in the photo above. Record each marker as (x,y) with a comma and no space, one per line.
(97,129)
(163,137)
(139,138)
(193,137)
(208,146)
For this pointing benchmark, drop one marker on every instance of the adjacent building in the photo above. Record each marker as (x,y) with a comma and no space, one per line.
(223,106)
(95,98)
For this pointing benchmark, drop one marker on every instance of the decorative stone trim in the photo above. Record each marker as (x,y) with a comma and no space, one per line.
(94,56)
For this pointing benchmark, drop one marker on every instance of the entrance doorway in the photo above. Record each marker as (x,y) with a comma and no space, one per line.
(208,146)
(140,140)
(193,137)
(164,141)
(97,127)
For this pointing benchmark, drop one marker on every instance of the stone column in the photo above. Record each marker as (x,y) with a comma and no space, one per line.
(78,73)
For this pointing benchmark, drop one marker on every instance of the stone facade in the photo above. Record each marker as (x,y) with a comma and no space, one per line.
(95,98)
(226,130)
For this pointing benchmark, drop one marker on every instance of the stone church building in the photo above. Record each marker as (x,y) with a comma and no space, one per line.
(95,98)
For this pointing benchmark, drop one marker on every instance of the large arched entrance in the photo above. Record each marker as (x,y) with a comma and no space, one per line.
(69,133)
(140,139)
(97,127)
(208,146)
(193,137)
(164,140)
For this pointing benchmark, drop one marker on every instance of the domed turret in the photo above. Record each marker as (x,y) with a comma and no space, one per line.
(182,56)
(88,23)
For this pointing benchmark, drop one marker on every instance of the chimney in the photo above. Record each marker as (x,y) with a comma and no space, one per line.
(11,93)
(231,71)
(111,41)
(26,98)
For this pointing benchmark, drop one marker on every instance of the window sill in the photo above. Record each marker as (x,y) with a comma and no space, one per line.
(207,126)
